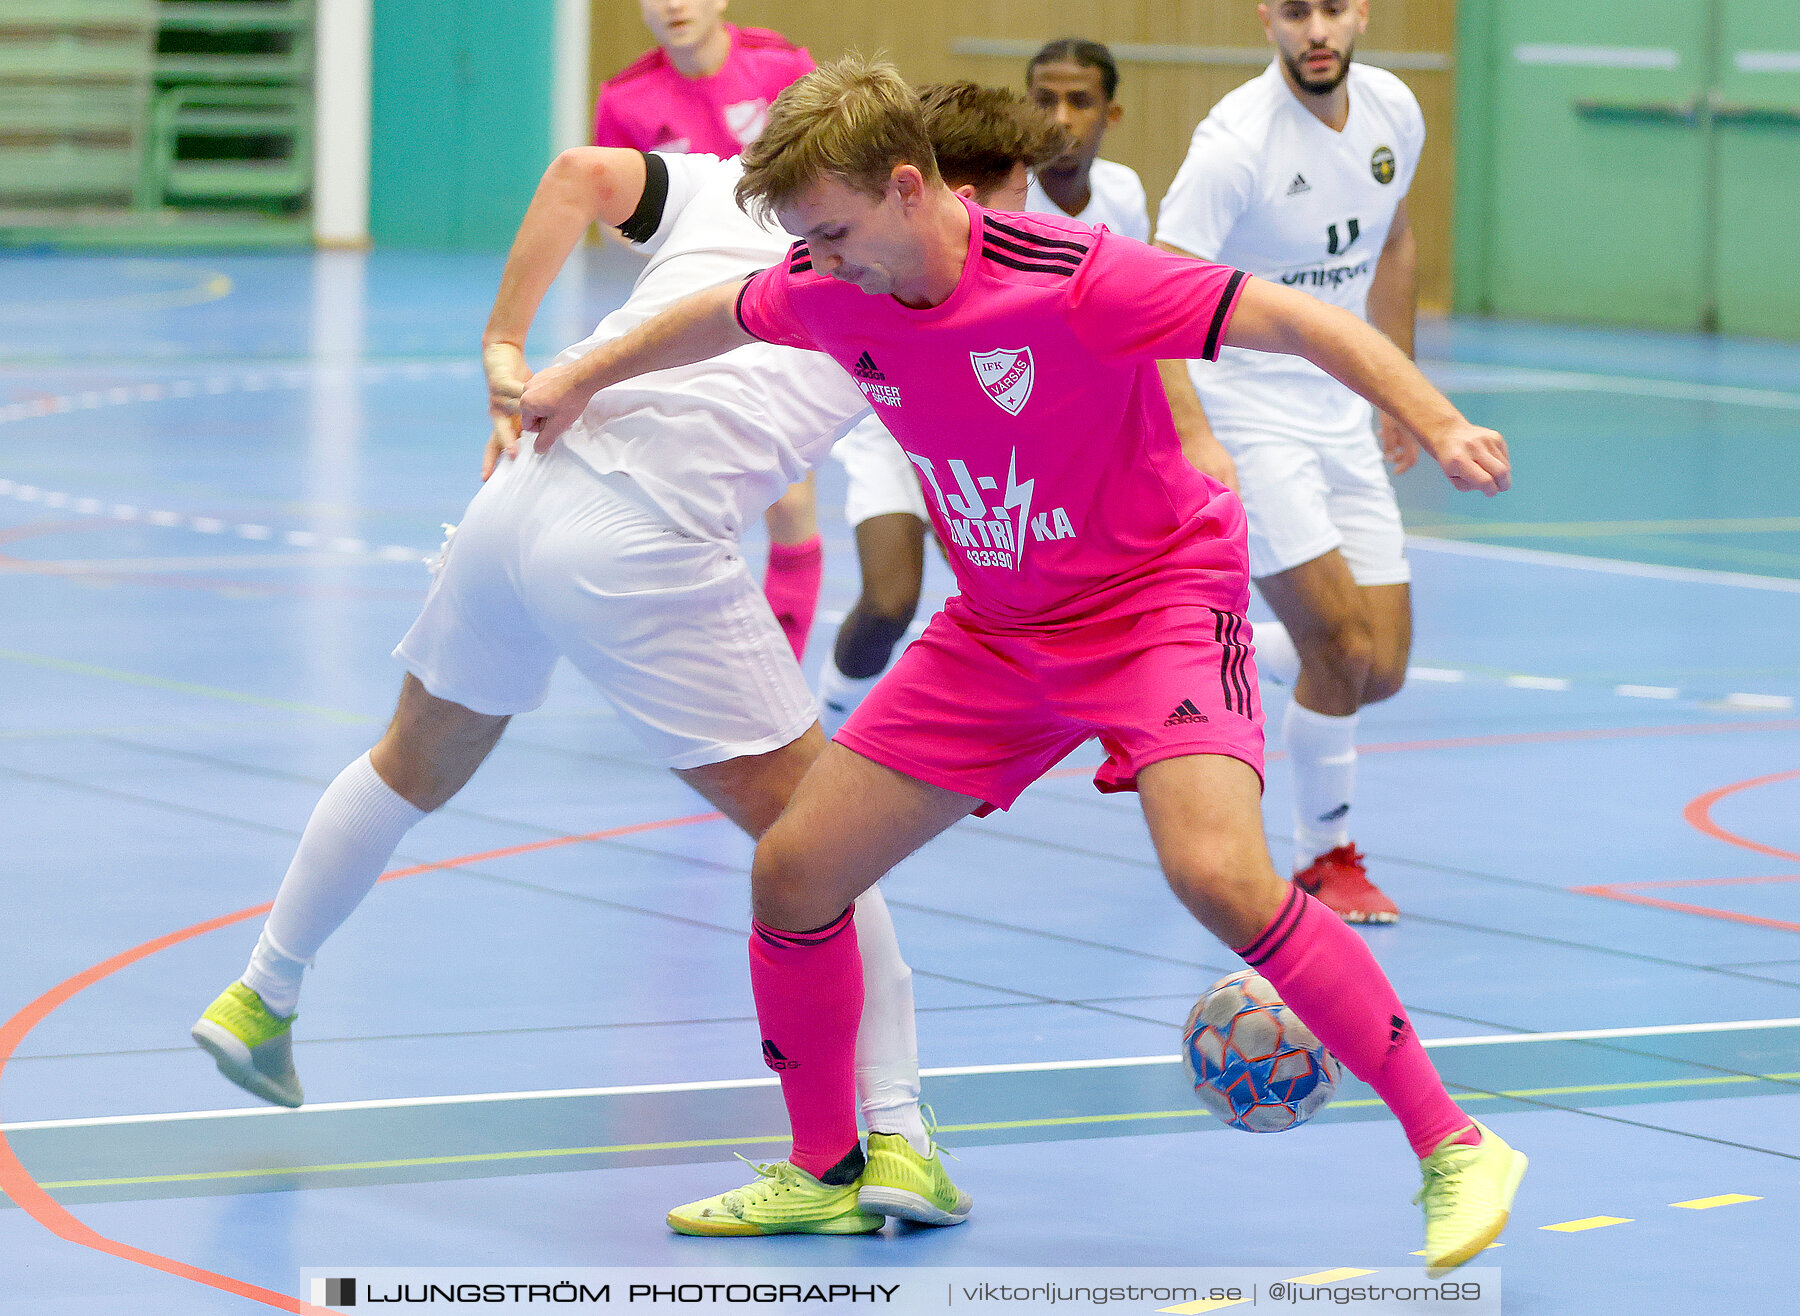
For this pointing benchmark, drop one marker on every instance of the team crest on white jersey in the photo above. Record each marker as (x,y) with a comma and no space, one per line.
(1006,375)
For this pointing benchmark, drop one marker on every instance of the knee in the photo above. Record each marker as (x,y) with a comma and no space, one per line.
(1385,679)
(1231,888)
(782,883)
(1344,650)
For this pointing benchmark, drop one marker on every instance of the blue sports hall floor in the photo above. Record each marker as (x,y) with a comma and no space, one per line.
(217,479)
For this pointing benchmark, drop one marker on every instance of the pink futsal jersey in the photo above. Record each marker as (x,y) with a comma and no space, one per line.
(652,107)
(1030,405)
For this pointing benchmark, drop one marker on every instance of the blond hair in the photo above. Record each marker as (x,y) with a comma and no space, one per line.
(981,134)
(855,121)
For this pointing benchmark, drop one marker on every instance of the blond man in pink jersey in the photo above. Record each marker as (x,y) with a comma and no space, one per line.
(1104,580)
(707,87)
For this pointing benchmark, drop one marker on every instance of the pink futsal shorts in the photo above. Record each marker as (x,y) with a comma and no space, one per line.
(987,714)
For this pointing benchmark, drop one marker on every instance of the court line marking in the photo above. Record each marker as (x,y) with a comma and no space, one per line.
(948,1071)
(1464,377)
(1698,814)
(1590,1222)
(1708,1203)
(1605,565)
(178,687)
(750,1140)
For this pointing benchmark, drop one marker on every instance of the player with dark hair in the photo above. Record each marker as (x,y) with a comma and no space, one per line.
(1076,83)
(1103,585)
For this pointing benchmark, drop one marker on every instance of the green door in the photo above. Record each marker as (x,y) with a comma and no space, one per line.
(1596,209)
(459,129)
(1756,115)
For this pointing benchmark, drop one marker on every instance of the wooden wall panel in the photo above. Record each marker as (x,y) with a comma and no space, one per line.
(1162,102)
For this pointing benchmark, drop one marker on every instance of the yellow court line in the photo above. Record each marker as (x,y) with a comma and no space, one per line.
(998,1125)
(1591,1222)
(179,687)
(1205,1304)
(1707,1203)
(1329,1276)
(414,1161)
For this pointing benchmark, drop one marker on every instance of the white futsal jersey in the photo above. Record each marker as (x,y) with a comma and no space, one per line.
(1268,188)
(1115,199)
(751,422)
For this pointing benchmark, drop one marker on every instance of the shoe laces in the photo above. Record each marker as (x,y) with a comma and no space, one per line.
(1442,1181)
(929,1118)
(770,1179)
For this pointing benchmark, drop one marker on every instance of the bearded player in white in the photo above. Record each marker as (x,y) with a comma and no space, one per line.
(618,549)
(1300,176)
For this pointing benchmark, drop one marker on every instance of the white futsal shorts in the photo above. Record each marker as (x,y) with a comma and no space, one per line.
(1306,499)
(882,480)
(553,560)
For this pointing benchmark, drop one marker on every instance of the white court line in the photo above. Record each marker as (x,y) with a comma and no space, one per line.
(720,1085)
(1605,565)
(1457,377)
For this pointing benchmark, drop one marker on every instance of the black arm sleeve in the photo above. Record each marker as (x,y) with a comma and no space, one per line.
(647,218)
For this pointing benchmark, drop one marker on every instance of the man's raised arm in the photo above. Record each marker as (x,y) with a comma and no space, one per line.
(1271,318)
(696,328)
(581,186)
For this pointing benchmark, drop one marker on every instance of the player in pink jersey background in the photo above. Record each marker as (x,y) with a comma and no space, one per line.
(707,87)
(1103,585)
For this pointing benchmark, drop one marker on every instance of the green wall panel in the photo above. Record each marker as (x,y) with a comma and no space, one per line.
(1645,173)
(1758,126)
(459,120)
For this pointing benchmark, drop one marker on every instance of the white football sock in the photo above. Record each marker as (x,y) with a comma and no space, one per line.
(1322,751)
(1276,656)
(839,695)
(887,1042)
(353,832)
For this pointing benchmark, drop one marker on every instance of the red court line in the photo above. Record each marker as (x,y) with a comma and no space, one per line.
(1627,892)
(1699,814)
(16,1182)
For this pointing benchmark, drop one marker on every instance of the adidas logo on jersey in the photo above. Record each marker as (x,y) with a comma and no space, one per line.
(1185,712)
(1299,185)
(867,369)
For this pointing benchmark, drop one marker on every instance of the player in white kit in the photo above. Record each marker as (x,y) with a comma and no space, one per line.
(618,550)
(1074,83)
(1300,176)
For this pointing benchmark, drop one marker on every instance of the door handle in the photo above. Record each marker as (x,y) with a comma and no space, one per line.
(1770,116)
(1687,111)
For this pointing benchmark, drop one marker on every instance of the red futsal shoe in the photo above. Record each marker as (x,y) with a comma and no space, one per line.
(1339,880)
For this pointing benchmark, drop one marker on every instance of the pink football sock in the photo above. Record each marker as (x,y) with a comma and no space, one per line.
(1325,971)
(809,996)
(792,586)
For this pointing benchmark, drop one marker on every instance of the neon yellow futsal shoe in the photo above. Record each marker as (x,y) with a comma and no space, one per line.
(1467,1196)
(784,1200)
(900,1182)
(253,1048)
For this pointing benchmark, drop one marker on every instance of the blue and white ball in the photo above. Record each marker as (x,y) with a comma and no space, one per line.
(1253,1063)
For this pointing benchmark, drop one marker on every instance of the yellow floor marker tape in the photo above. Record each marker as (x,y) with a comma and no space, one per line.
(1592,1222)
(1707,1203)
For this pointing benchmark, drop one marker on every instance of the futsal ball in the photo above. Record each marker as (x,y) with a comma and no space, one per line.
(1252,1062)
